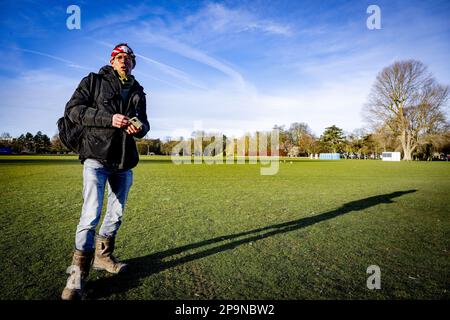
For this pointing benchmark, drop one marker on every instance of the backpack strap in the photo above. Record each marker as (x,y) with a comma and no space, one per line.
(94,88)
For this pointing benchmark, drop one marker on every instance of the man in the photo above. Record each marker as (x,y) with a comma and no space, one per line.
(103,104)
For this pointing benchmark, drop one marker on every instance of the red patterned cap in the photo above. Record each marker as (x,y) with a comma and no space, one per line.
(124,48)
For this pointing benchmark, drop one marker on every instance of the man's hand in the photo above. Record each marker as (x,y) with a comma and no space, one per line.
(131,129)
(120,121)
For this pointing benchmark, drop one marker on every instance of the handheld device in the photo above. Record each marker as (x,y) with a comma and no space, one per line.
(136,122)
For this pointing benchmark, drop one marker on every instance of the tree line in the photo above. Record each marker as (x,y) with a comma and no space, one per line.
(27,143)
(297,140)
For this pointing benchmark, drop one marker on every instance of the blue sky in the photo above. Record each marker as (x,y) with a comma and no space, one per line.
(224,66)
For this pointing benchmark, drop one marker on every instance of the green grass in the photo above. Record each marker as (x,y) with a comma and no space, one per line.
(227,232)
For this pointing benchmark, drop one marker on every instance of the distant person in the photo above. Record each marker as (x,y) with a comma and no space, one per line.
(105,105)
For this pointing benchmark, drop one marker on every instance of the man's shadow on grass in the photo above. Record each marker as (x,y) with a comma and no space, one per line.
(143,267)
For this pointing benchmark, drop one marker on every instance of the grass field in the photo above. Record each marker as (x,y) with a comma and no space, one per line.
(227,232)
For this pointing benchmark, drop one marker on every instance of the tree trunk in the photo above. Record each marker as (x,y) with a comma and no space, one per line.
(407,154)
(408,146)
(404,139)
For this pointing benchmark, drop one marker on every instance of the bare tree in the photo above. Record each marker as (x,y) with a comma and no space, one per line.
(434,143)
(408,100)
(301,136)
(385,139)
(57,145)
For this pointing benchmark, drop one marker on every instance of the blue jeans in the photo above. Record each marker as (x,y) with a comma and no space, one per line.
(95,178)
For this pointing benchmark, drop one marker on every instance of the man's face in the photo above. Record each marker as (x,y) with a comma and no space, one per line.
(123,64)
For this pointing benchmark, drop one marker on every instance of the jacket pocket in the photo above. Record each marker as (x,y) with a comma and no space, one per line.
(98,142)
(109,101)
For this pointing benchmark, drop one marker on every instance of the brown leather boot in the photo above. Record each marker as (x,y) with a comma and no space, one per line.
(104,260)
(79,272)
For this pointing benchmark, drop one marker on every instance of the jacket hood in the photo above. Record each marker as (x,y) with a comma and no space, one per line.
(106,70)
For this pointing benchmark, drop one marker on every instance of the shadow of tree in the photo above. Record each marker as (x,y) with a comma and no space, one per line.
(142,267)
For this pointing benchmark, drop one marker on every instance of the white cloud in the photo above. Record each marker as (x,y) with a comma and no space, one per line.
(182,49)
(67,62)
(123,15)
(42,99)
(236,112)
(174,72)
(218,18)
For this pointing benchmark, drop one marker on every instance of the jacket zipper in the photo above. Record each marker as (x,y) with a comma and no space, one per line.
(124,137)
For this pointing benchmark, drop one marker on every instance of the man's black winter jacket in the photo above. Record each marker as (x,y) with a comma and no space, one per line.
(93,106)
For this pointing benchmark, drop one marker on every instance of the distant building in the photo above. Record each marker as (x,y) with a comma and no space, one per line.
(391,156)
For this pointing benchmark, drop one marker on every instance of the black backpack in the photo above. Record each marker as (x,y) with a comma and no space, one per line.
(70,133)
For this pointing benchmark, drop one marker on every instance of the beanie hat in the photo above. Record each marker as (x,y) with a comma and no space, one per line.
(124,48)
